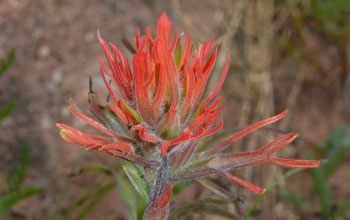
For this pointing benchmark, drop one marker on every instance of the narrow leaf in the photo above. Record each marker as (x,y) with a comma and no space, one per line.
(276,183)
(323,191)
(57,205)
(136,175)
(218,190)
(141,207)
(292,198)
(8,200)
(6,110)
(97,198)
(127,194)
(82,200)
(341,209)
(202,206)
(17,177)
(5,64)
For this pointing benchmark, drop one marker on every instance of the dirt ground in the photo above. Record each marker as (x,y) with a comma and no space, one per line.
(56,47)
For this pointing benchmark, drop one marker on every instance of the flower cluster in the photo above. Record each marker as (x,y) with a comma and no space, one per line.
(160,114)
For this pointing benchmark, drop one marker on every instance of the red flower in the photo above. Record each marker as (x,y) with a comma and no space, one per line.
(161,113)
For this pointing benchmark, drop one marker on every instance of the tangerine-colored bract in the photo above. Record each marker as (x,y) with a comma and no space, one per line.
(161,113)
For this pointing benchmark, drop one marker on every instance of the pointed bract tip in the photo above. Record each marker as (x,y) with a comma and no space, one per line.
(99,37)
(164,21)
(284,113)
(164,16)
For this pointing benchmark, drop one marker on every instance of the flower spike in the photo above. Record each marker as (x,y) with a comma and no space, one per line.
(159,115)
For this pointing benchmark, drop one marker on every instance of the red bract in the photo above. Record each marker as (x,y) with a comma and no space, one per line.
(161,113)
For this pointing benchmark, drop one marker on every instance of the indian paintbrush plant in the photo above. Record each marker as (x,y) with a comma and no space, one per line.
(161,113)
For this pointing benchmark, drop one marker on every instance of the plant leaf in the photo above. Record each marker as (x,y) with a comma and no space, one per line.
(8,200)
(322,189)
(15,180)
(218,190)
(5,64)
(141,207)
(7,109)
(127,194)
(202,206)
(276,183)
(292,198)
(136,175)
(98,168)
(58,203)
(102,192)
(82,200)
(341,209)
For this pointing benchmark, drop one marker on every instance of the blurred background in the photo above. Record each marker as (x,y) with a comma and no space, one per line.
(289,54)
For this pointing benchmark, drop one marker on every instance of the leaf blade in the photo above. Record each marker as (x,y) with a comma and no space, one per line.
(6,110)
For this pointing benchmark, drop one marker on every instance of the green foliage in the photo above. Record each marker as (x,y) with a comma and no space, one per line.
(58,203)
(216,189)
(6,63)
(15,180)
(13,193)
(136,177)
(97,197)
(134,204)
(9,199)
(332,16)
(81,201)
(268,190)
(141,207)
(127,195)
(339,137)
(330,9)
(6,110)
(208,205)
(335,147)
(292,198)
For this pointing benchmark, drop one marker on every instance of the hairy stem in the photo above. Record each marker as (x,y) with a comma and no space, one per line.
(158,206)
